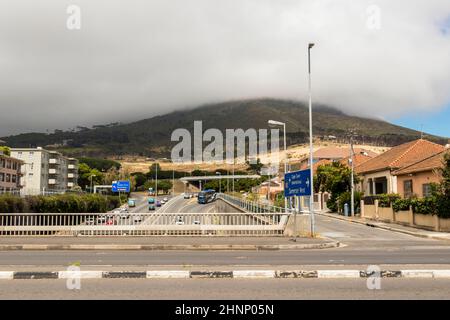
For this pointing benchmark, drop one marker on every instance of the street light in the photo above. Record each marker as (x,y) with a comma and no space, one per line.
(311,198)
(278,123)
(92,175)
(220,181)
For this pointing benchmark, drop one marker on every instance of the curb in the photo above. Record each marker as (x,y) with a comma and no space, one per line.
(326,245)
(237,274)
(376,225)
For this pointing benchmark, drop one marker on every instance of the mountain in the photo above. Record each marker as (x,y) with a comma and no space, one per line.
(151,137)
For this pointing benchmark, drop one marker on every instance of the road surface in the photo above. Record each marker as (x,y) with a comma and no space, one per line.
(270,289)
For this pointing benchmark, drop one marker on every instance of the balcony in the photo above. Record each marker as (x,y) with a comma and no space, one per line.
(71,167)
(70,175)
(70,184)
(52,171)
(52,181)
(53,161)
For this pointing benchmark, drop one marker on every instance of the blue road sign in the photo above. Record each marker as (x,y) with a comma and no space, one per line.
(121,186)
(297,183)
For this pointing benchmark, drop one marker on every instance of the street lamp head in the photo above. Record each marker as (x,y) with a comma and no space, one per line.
(310,45)
(275,123)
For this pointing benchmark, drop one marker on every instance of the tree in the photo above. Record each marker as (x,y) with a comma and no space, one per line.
(333,178)
(85,173)
(6,150)
(442,191)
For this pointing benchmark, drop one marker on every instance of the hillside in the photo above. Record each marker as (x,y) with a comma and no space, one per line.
(151,137)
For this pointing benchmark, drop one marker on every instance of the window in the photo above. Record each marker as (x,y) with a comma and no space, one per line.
(8,177)
(407,188)
(13,178)
(426,189)
(2,177)
(3,163)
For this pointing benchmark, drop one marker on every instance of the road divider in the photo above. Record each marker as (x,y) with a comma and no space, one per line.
(200,247)
(235,274)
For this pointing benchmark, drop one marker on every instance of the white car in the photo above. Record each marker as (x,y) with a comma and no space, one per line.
(90,221)
(137,218)
(163,201)
(166,199)
(101,219)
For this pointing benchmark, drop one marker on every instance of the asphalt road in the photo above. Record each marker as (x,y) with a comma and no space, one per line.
(362,245)
(218,289)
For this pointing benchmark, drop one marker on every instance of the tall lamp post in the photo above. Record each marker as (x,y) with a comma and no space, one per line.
(352,158)
(278,123)
(91,176)
(311,198)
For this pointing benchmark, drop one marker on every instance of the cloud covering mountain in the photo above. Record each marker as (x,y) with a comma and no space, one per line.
(137,58)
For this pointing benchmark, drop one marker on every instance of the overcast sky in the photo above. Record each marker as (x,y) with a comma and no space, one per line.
(138,58)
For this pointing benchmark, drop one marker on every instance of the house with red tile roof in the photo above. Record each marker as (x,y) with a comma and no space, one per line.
(329,155)
(377,174)
(416,179)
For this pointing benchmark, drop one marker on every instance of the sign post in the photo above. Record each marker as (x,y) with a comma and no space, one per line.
(297,183)
(121,186)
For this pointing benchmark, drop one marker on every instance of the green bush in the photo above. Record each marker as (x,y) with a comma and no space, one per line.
(424,206)
(385,200)
(65,203)
(401,204)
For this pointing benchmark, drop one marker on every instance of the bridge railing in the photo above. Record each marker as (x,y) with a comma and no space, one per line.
(142,224)
(253,206)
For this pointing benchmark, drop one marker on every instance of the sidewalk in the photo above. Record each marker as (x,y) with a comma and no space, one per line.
(391,227)
(163,243)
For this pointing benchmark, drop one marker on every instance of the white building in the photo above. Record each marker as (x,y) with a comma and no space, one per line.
(45,171)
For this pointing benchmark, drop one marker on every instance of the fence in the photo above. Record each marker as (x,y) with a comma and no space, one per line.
(406,217)
(142,224)
(253,206)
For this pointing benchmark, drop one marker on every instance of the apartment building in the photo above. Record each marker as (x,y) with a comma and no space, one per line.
(45,171)
(10,174)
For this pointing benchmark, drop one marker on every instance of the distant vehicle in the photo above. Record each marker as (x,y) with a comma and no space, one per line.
(158,203)
(196,222)
(101,219)
(206,196)
(131,202)
(151,200)
(90,221)
(151,207)
(187,195)
(110,222)
(166,199)
(124,215)
(179,220)
(137,218)
(163,202)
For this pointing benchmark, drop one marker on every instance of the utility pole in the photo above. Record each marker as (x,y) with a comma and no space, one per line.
(352,184)
(156,182)
(311,164)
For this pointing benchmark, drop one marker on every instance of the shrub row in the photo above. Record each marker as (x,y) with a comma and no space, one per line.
(437,204)
(65,203)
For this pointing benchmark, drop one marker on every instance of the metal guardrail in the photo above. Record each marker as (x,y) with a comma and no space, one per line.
(253,206)
(142,224)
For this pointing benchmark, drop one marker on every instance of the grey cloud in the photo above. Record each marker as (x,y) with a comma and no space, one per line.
(134,59)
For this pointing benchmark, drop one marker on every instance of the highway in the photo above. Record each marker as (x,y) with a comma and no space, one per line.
(362,245)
